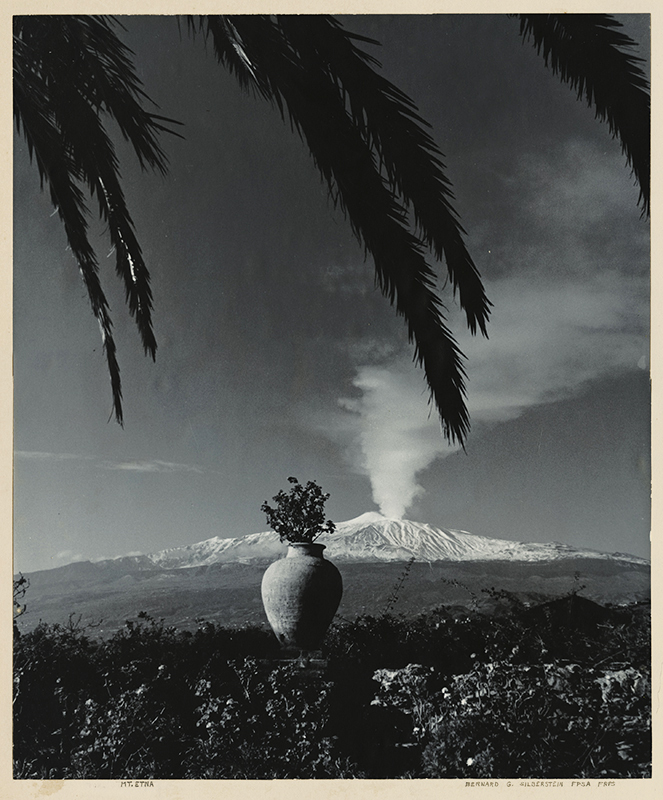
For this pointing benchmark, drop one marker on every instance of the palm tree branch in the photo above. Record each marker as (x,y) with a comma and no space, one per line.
(380,223)
(85,136)
(111,84)
(389,121)
(68,71)
(587,52)
(56,170)
(229,51)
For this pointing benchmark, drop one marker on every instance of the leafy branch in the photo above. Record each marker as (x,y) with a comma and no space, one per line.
(299,515)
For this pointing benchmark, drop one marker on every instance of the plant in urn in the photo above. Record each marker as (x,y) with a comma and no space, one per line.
(302,591)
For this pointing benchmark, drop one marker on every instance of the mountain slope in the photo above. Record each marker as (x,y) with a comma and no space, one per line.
(219,579)
(374,538)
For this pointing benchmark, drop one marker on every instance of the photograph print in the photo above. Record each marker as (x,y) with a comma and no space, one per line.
(331,352)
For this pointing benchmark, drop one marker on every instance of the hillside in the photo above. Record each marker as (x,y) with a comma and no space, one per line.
(374,538)
(219,579)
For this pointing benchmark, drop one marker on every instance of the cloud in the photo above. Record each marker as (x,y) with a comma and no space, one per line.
(547,341)
(36,455)
(151,466)
(68,557)
(576,186)
(65,557)
(577,217)
(569,280)
(131,553)
(154,465)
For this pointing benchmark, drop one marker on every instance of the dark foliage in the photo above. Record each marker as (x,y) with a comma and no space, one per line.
(71,73)
(372,150)
(20,587)
(299,515)
(560,690)
(590,53)
(366,137)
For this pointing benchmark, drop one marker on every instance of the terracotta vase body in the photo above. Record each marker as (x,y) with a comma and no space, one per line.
(301,593)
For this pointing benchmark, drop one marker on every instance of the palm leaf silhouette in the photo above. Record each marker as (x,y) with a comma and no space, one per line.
(369,143)
(287,69)
(588,52)
(68,71)
(388,121)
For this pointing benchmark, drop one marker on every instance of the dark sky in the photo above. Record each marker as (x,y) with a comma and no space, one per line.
(277,355)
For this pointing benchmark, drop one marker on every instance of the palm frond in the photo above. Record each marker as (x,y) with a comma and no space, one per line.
(229,51)
(83,133)
(588,52)
(309,99)
(59,172)
(68,71)
(389,121)
(87,51)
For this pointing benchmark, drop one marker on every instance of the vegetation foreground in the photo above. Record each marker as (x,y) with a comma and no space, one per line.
(558,690)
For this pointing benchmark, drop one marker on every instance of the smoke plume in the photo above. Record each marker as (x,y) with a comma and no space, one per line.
(546,344)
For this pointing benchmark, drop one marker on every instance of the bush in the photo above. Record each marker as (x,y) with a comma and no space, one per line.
(561,690)
(299,515)
(270,722)
(52,664)
(508,720)
(154,702)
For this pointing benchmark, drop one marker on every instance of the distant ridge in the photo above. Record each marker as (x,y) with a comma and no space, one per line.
(372,537)
(219,579)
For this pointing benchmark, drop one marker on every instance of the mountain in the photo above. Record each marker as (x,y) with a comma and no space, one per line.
(386,564)
(374,538)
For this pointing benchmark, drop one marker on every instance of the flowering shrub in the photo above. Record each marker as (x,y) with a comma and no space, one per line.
(529,694)
(271,722)
(509,720)
(299,515)
(153,702)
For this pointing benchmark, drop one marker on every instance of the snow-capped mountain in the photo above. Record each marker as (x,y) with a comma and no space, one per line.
(219,579)
(374,538)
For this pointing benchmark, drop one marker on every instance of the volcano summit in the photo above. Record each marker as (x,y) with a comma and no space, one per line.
(218,579)
(374,538)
